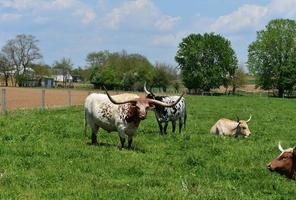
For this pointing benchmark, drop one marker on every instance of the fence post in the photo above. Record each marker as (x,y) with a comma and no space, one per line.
(69,98)
(43,99)
(4,101)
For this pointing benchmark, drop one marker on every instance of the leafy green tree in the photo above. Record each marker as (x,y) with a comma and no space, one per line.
(84,73)
(271,57)
(176,86)
(124,71)
(5,69)
(96,59)
(164,75)
(41,69)
(20,52)
(206,61)
(238,80)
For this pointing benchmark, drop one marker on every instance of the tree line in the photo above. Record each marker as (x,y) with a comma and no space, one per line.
(205,61)
(117,70)
(121,70)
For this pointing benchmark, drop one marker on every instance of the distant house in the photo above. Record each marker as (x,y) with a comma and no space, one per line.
(62,78)
(35,80)
(47,82)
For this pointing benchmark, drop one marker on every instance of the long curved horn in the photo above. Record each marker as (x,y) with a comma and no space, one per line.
(280,147)
(249,118)
(145,89)
(165,104)
(117,102)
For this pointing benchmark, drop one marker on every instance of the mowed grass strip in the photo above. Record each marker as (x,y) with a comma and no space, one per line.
(44,155)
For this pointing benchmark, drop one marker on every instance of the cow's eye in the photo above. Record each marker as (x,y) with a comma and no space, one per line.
(244,128)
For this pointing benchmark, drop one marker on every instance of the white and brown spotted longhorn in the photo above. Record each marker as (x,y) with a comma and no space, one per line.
(121,113)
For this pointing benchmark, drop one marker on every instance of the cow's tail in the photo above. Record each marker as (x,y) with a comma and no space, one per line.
(85,122)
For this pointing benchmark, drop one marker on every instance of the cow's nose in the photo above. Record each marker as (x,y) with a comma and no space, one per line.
(269,166)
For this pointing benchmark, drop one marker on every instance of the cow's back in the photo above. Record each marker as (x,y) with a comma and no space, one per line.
(176,111)
(101,111)
(224,127)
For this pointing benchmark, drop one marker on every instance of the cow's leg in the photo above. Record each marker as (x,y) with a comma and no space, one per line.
(121,135)
(174,126)
(165,127)
(160,127)
(122,141)
(130,141)
(94,129)
(180,124)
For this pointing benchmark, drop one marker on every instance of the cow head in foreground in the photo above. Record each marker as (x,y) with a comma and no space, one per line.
(139,107)
(242,127)
(285,163)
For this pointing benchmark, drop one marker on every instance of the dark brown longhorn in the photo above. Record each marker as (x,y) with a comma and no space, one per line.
(285,163)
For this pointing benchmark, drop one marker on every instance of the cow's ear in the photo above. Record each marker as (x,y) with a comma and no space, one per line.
(294,152)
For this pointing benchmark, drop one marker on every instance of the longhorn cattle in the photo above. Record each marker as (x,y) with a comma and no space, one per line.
(165,114)
(232,128)
(121,113)
(285,163)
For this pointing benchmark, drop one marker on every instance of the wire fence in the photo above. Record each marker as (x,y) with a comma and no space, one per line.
(24,98)
(13,98)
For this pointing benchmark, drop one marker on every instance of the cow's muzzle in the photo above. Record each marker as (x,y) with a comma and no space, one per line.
(269,166)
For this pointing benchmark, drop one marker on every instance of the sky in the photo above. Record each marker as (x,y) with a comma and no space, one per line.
(152,28)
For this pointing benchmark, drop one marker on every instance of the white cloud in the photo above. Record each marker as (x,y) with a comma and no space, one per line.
(8,17)
(168,40)
(138,14)
(38,7)
(245,17)
(285,8)
(41,20)
(64,4)
(166,22)
(21,5)
(86,13)
(253,16)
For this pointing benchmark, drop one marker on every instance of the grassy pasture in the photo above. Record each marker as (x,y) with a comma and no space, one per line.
(43,155)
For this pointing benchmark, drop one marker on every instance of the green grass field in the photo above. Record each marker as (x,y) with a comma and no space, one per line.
(44,155)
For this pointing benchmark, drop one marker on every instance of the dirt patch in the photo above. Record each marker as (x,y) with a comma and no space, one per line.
(22,98)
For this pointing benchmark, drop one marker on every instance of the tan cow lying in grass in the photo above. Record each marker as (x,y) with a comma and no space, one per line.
(232,128)
(285,163)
